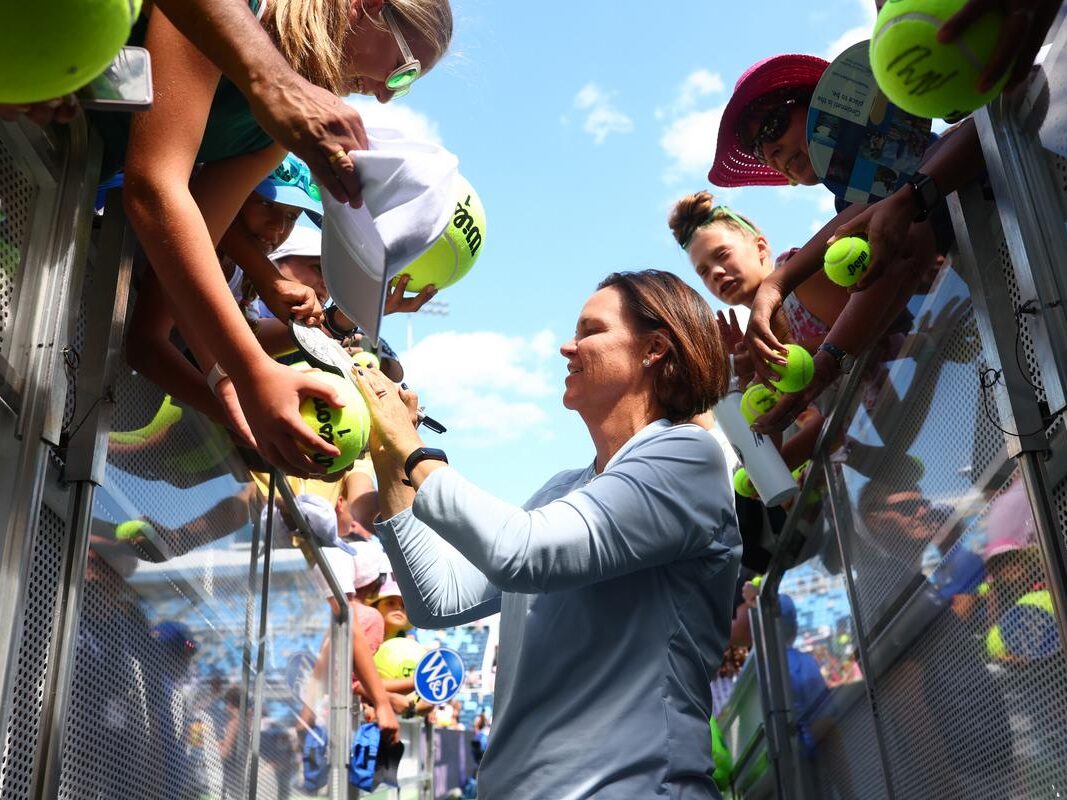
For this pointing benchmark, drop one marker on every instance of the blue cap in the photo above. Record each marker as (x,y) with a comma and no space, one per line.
(175,636)
(292,183)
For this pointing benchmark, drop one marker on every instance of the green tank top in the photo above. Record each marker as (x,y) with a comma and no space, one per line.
(231,129)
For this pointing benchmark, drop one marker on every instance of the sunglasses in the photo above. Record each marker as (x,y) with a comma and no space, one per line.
(772,126)
(400,79)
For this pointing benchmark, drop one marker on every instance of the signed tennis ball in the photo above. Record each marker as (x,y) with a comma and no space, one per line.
(797,372)
(757,401)
(346,428)
(798,473)
(846,260)
(50,49)
(920,74)
(367,360)
(455,251)
(743,486)
(398,658)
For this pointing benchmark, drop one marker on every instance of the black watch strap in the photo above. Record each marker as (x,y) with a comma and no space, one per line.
(925,195)
(843,359)
(420,454)
(329,319)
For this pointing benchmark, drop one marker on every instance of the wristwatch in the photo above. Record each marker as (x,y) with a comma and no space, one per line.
(925,194)
(420,454)
(329,320)
(845,362)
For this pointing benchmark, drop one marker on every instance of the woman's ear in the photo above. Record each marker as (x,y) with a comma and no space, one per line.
(658,346)
(371,8)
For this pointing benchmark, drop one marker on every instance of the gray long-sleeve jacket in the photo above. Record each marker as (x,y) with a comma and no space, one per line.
(615,596)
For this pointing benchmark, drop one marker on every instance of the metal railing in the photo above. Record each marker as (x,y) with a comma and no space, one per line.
(159,630)
(925,555)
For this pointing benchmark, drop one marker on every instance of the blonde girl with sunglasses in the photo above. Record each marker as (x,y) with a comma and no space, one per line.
(371,47)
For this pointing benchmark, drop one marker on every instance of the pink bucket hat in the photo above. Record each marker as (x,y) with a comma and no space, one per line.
(1009,523)
(734,164)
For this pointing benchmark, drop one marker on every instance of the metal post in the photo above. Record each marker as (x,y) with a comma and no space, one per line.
(777,696)
(261,645)
(56,249)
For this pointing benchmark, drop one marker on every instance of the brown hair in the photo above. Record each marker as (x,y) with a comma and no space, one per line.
(694,211)
(311,33)
(692,376)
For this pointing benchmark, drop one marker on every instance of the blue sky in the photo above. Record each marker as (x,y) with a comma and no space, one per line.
(579,125)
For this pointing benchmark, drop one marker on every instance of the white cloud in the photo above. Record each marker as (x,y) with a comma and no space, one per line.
(602,118)
(689,142)
(404,118)
(696,86)
(856,34)
(484,385)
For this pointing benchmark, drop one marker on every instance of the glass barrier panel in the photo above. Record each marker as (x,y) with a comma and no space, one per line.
(162,664)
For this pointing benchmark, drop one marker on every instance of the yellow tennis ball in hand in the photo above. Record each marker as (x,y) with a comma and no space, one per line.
(743,484)
(920,74)
(52,48)
(346,428)
(397,658)
(455,251)
(797,373)
(757,401)
(846,260)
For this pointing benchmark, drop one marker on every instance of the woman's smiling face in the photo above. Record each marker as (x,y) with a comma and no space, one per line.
(785,148)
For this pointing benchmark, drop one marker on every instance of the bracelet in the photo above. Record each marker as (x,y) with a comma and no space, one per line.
(214,377)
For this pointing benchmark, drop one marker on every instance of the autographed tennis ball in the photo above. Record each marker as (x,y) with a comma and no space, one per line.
(797,372)
(455,251)
(846,260)
(398,658)
(743,486)
(50,49)
(346,428)
(757,401)
(367,360)
(920,74)
(798,473)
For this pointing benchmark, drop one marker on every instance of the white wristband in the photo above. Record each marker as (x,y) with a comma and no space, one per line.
(215,376)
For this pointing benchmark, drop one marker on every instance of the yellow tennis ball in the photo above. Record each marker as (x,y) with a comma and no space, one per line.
(743,486)
(346,428)
(846,260)
(52,48)
(798,473)
(757,401)
(398,658)
(454,253)
(367,360)
(132,528)
(923,76)
(797,372)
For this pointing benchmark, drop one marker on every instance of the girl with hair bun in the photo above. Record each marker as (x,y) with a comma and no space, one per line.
(732,257)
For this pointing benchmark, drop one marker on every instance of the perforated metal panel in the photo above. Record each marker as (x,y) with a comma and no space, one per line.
(17,197)
(976,706)
(23,732)
(164,627)
(926,459)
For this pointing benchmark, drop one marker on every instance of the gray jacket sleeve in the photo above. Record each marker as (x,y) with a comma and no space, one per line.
(441,588)
(666,499)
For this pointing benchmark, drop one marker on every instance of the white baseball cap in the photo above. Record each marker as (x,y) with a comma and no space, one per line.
(370,562)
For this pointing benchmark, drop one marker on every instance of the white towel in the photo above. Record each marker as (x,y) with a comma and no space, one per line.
(408,199)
